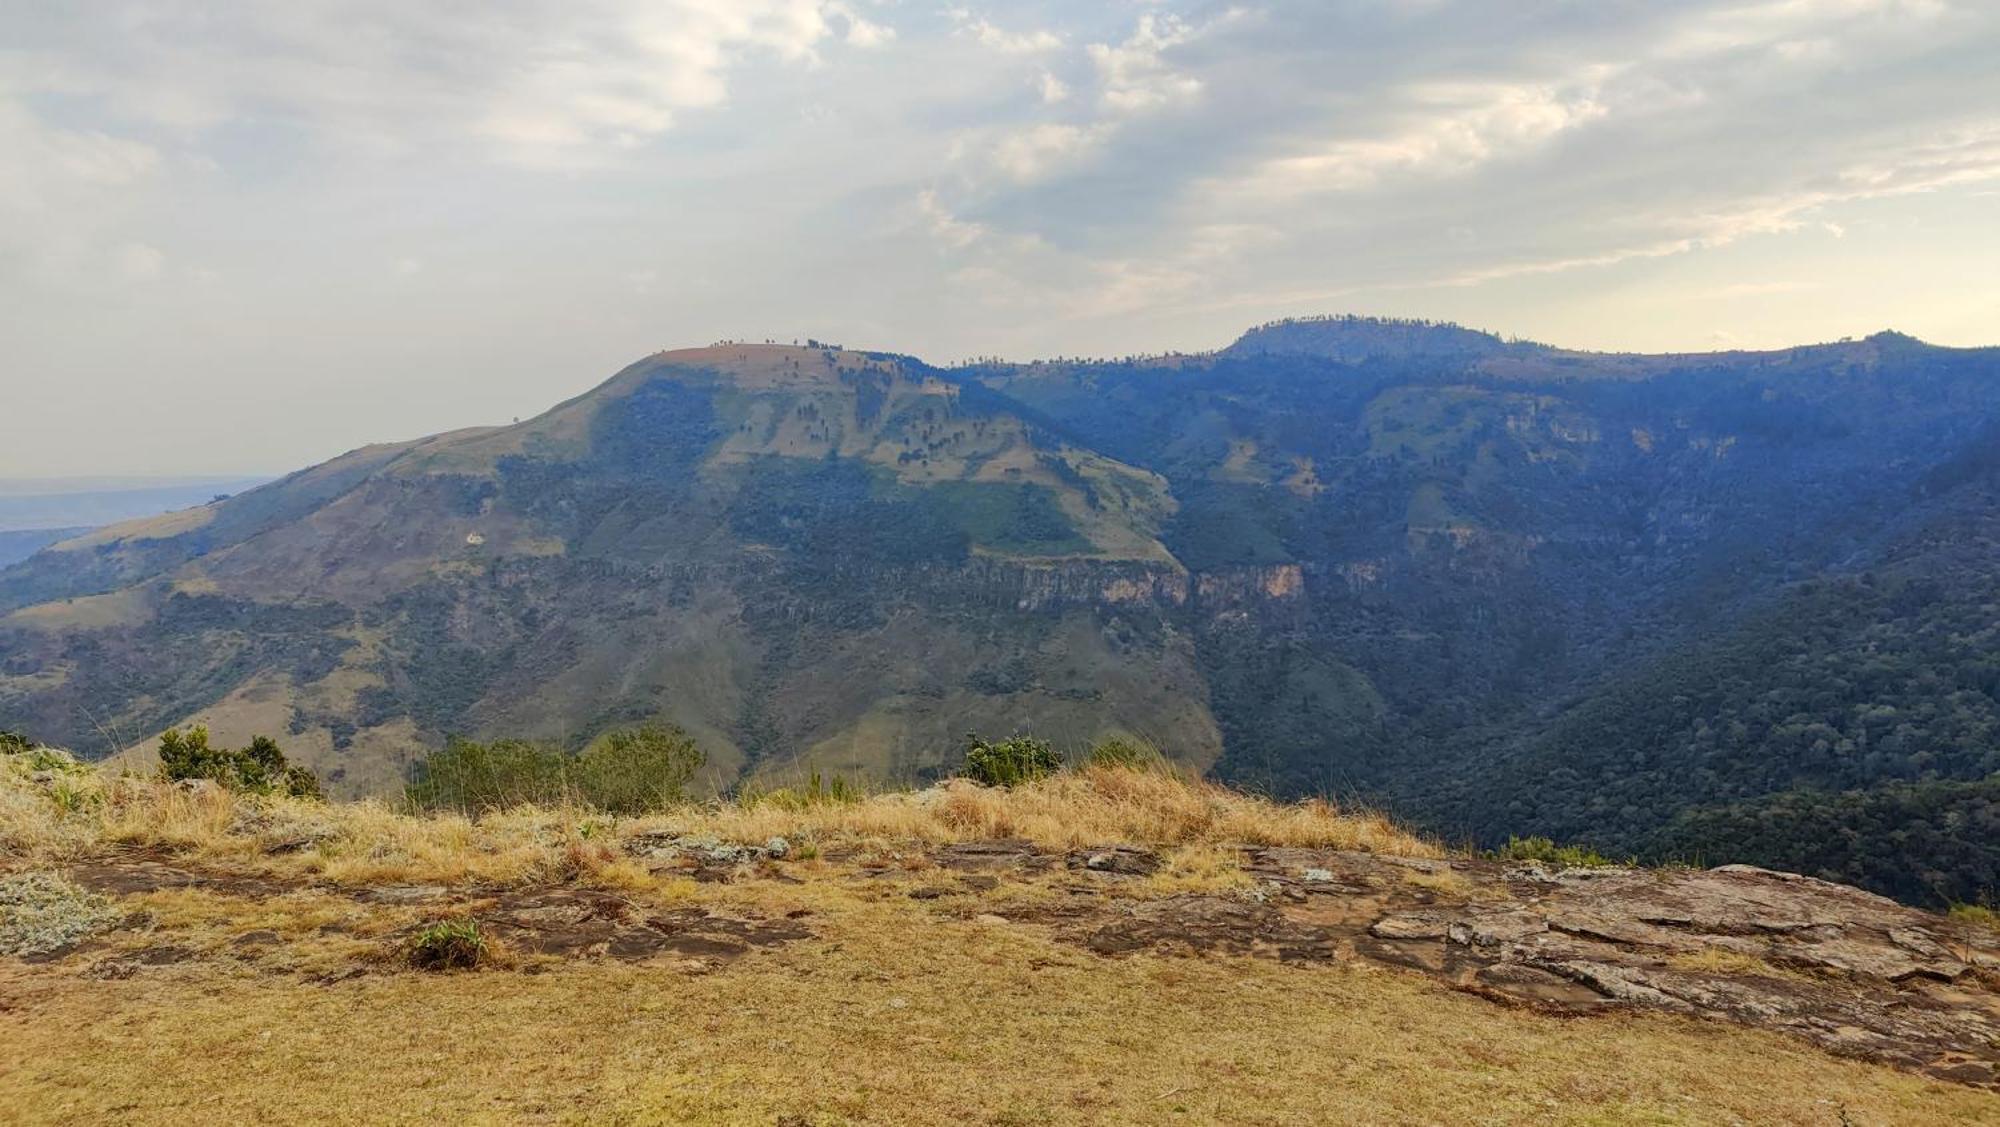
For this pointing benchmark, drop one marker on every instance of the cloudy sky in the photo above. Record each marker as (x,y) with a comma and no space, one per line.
(245,236)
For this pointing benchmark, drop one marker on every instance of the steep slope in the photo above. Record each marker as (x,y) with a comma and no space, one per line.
(1850,726)
(793,552)
(1510,563)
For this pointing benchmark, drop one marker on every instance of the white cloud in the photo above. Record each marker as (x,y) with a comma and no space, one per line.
(947,228)
(862,32)
(1031,42)
(1029,176)
(1038,151)
(1450,130)
(545,82)
(1135,75)
(1960,156)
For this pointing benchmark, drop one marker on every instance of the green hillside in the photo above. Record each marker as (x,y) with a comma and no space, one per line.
(1650,603)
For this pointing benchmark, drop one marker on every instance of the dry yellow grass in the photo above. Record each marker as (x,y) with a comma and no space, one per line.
(896,1014)
(894,1010)
(371,842)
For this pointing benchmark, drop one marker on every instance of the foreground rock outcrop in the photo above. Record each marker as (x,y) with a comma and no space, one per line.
(1861,975)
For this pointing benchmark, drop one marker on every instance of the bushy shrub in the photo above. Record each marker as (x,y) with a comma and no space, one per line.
(14,742)
(260,768)
(1549,853)
(473,776)
(1116,751)
(634,770)
(448,945)
(626,772)
(1009,762)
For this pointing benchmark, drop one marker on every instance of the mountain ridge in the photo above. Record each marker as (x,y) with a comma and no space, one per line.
(1376,560)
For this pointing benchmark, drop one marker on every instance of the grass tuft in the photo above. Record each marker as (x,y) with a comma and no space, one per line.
(42,912)
(447,945)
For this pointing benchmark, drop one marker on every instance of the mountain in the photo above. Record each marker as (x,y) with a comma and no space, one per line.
(1736,605)
(792,552)
(54,504)
(18,544)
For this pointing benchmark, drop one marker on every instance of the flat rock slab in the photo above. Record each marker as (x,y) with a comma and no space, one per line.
(1114,860)
(140,873)
(576,923)
(1856,973)
(997,853)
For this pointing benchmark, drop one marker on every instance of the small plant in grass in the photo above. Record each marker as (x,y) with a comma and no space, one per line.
(29,757)
(818,790)
(1009,762)
(69,798)
(1117,751)
(1549,853)
(54,759)
(448,945)
(831,790)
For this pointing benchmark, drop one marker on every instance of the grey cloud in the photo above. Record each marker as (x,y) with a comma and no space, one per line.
(351,220)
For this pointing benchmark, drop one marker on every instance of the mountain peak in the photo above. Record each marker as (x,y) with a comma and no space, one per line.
(1353,338)
(756,366)
(1894,337)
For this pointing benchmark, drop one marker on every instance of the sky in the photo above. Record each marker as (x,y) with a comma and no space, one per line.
(242,237)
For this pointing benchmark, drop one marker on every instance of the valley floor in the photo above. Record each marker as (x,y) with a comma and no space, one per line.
(962,956)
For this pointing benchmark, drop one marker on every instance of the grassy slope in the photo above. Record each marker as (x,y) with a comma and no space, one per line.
(896,1011)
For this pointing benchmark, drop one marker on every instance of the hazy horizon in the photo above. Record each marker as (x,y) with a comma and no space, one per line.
(239,239)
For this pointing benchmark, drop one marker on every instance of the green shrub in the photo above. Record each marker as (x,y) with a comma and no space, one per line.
(1116,751)
(1549,853)
(1978,915)
(260,768)
(28,757)
(1009,762)
(625,772)
(634,770)
(471,776)
(448,945)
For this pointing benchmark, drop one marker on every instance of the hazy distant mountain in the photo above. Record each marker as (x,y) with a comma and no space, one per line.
(56,503)
(17,545)
(1738,604)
